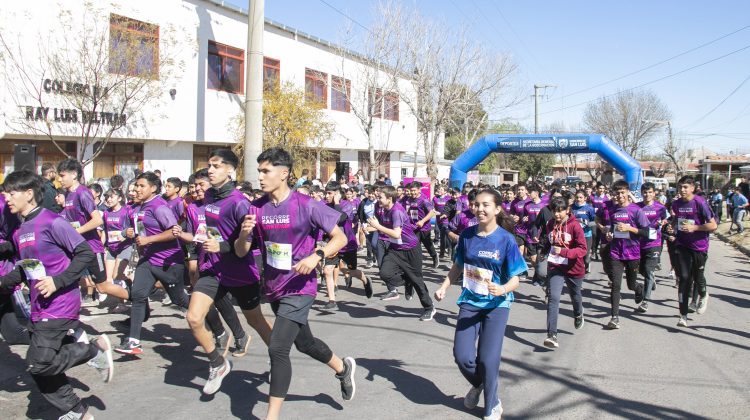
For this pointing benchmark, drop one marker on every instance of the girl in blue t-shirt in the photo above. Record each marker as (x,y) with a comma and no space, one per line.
(586,216)
(488,261)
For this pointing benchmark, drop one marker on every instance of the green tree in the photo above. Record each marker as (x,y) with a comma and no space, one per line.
(531,165)
(290,121)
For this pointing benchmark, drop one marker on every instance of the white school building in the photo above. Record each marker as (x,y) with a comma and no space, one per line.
(197,106)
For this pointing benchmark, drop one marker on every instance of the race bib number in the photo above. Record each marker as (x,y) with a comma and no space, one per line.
(414,214)
(682,222)
(279,256)
(652,234)
(477,279)
(213,233)
(621,235)
(557,259)
(34,269)
(114,236)
(75,225)
(140,228)
(200,235)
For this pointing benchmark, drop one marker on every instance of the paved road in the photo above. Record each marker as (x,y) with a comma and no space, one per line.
(647,369)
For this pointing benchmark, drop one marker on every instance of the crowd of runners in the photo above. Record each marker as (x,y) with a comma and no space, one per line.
(210,244)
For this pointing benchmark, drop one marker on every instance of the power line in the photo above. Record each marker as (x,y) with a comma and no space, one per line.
(720,103)
(652,81)
(345,15)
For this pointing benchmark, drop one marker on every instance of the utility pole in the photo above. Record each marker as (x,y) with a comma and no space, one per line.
(254,91)
(536,105)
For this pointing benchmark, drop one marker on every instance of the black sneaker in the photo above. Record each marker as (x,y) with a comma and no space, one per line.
(222,342)
(330,306)
(368,288)
(241,345)
(129,347)
(428,314)
(639,294)
(408,291)
(391,295)
(614,323)
(551,341)
(348,387)
(642,308)
(579,321)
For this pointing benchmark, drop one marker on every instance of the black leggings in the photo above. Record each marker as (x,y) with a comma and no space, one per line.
(144,278)
(691,265)
(285,332)
(630,268)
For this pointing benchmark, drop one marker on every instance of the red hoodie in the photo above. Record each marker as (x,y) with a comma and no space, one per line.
(572,243)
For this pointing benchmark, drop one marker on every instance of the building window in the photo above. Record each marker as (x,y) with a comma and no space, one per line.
(375,102)
(271,73)
(133,47)
(316,87)
(390,104)
(341,90)
(226,67)
(508,177)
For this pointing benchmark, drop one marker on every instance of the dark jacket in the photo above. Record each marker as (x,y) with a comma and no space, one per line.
(48,197)
(573,247)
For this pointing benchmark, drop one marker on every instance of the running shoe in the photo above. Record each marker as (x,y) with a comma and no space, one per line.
(222,342)
(408,291)
(103,362)
(120,308)
(72,415)
(88,301)
(330,306)
(642,308)
(496,413)
(435,262)
(216,376)
(683,321)
(471,400)
(579,321)
(551,341)
(428,314)
(348,387)
(614,323)
(348,280)
(241,345)
(101,297)
(166,301)
(638,294)
(692,307)
(391,295)
(368,287)
(129,347)
(368,264)
(702,304)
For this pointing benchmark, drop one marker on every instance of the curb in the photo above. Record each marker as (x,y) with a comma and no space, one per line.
(726,239)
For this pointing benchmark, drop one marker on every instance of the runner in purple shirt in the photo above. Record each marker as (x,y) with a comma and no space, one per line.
(506,205)
(81,212)
(119,248)
(222,271)
(531,211)
(693,220)
(657,216)
(420,211)
(172,196)
(161,258)
(597,201)
(626,225)
(463,219)
(52,258)
(402,262)
(438,203)
(517,212)
(282,224)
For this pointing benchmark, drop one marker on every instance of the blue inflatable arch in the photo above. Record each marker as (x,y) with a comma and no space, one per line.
(547,143)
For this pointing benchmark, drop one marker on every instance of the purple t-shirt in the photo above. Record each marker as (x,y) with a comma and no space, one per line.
(518,208)
(114,223)
(154,217)
(438,203)
(695,211)
(226,216)
(506,206)
(598,202)
(79,205)
(177,205)
(50,239)
(462,220)
(8,224)
(655,213)
(626,246)
(349,209)
(532,210)
(286,234)
(194,215)
(394,218)
(417,209)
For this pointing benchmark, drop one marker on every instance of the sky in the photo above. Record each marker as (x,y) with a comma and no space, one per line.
(694,55)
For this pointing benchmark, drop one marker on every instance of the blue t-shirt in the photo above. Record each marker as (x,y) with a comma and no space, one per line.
(738,200)
(497,253)
(585,214)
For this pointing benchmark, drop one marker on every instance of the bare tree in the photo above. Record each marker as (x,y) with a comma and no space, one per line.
(444,67)
(630,118)
(593,166)
(677,153)
(93,86)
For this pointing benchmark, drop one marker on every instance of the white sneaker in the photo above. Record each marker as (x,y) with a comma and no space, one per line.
(702,304)
(215,376)
(471,400)
(682,322)
(496,413)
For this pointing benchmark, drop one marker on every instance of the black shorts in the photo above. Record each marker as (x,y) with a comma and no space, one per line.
(520,239)
(532,248)
(191,252)
(349,258)
(248,296)
(95,271)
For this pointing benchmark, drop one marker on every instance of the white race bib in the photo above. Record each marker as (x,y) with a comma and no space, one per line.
(279,256)
(75,225)
(114,236)
(213,233)
(652,234)
(681,221)
(477,279)
(557,259)
(621,235)
(34,269)
(200,235)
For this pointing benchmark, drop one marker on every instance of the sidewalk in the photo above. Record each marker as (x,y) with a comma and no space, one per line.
(739,240)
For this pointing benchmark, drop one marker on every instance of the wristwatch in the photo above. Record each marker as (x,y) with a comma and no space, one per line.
(319,252)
